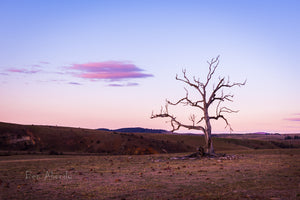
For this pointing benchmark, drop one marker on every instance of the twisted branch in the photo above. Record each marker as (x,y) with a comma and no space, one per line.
(187,101)
(174,122)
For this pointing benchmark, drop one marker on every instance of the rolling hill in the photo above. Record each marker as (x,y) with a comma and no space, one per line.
(47,139)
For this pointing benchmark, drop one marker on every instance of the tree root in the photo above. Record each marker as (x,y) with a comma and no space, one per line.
(201,154)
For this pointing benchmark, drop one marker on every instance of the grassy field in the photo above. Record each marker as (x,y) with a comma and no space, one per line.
(46,139)
(249,174)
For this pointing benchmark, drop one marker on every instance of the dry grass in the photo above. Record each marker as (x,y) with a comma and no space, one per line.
(257,174)
(45,139)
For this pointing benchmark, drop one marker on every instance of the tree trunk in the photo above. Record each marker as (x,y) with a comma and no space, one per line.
(208,143)
(209,149)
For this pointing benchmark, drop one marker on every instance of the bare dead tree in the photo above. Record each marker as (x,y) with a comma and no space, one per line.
(216,96)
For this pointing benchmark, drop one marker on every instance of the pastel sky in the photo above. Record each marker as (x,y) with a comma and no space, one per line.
(109,64)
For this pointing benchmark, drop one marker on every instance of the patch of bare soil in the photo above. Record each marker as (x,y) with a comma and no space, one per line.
(28,160)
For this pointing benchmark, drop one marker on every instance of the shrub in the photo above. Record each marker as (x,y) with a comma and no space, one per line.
(287,137)
(52,152)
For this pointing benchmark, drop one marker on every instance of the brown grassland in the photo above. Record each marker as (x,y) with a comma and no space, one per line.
(250,174)
(110,165)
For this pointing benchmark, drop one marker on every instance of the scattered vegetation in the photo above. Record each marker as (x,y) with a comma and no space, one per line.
(296,137)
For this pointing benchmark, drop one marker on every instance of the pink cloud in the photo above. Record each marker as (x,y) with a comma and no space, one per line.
(74,83)
(132,84)
(23,71)
(44,62)
(122,85)
(295,119)
(110,70)
(115,85)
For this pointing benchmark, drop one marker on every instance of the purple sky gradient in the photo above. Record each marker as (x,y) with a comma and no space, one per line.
(72,63)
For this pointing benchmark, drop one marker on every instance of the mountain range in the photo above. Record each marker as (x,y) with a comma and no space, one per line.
(135,130)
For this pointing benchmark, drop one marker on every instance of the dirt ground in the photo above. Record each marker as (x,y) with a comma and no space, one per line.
(254,174)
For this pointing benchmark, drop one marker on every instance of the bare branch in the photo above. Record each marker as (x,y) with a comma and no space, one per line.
(186,80)
(193,118)
(229,85)
(222,97)
(187,101)
(220,85)
(213,64)
(227,110)
(220,115)
(224,109)
(202,118)
(199,83)
(174,123)
(226,121)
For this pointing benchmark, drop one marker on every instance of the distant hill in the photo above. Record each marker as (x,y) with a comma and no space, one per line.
(135,130)
(265,133)
(16,137)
